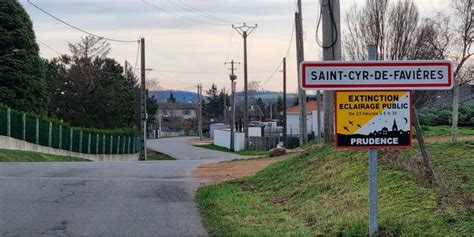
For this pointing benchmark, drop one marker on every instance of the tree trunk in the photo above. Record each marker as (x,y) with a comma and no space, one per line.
(427,163)
(454,129)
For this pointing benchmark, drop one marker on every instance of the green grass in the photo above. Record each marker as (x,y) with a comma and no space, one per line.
(444,130)
(324,192)
(153,155)
(225,149)
(29,156)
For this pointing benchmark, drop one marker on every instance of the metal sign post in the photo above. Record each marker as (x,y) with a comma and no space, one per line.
(373,197)
(373,104)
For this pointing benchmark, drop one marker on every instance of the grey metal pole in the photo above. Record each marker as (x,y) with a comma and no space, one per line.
(60,137)
(9,122)
(372,192)
(80,141)
(318,115)
(50,134)
(71,137)
(24,126)
(89,143)
(37,131)
(373,226)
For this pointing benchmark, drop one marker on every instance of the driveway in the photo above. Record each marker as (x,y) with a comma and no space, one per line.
(149,198)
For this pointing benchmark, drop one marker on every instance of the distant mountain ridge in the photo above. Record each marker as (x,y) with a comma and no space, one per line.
(186,96)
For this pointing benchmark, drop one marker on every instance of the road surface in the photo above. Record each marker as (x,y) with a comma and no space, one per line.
(149,198)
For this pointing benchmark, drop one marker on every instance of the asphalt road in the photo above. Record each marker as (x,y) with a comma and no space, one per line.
(149,198)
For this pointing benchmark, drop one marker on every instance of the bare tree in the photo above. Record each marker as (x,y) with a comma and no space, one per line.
(398,33)
(464,35)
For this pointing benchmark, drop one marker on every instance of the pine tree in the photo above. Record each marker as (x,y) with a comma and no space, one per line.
(22,84)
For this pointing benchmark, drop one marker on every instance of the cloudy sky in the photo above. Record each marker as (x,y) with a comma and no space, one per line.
(188,41)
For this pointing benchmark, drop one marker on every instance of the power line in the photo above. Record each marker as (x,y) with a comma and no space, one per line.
(188,9)
(50,48)
(230,44)
(77,28)
(206,14)
(180,16)
(287,53)
(209,73)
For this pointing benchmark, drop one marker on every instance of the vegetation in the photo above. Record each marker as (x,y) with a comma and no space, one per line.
(153,155)
(225,149)
(324,192)
(29,156)
(22,85)
(88,89)
(443,116)
(42,118)
(445,130)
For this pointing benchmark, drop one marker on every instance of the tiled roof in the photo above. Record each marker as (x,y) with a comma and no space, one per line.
(310,106)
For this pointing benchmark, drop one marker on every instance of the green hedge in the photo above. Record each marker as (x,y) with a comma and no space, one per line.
(443,116)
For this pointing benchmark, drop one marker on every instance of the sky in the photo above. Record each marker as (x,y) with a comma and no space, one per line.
(188,41)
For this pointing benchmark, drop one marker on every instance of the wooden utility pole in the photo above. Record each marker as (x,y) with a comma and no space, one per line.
(285,132)
(245,31)
(232,77)
(331,51)
(299,59)
(142,103)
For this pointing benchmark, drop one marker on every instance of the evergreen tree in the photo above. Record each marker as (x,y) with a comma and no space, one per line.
(22,83)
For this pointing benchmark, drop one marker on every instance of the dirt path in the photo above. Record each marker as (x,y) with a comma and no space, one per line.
(233,169)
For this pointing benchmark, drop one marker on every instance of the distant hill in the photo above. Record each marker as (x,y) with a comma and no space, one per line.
(181,96)
(185,96)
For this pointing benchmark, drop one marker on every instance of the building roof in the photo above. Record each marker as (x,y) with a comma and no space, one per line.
(310,106)
(162,106)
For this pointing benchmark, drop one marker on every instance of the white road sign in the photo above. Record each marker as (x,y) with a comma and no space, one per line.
(376,75)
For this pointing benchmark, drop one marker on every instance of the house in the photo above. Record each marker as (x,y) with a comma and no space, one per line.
(293,121)
(172,109)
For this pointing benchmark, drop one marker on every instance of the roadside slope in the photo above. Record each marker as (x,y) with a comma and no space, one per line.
(324,192)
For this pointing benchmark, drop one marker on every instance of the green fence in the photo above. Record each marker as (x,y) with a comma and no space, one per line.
(34,130)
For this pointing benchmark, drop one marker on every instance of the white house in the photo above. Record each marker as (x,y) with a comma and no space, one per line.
(293,121)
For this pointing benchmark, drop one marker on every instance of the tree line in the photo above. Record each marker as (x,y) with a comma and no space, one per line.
(84,87)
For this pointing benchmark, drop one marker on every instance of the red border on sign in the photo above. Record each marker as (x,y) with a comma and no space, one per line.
(365,147)
(375,64)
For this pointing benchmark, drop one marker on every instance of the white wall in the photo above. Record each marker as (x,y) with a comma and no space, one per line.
(255,132)
(293,122)
(222,138)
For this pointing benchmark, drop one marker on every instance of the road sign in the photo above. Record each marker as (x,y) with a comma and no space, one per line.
(377,75)
(373,119)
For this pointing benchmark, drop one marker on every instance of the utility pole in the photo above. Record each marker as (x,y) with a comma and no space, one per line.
(299,59)
(232,77)
(142,103)
(245,31)
(331,51)
(285,132)
(199,91)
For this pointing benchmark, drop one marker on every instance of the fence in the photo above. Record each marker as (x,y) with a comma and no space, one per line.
(33,130)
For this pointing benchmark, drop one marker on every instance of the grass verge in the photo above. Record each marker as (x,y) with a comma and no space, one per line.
(153,155)
(29,156)
(324,192)
(444,130)
(225,149)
